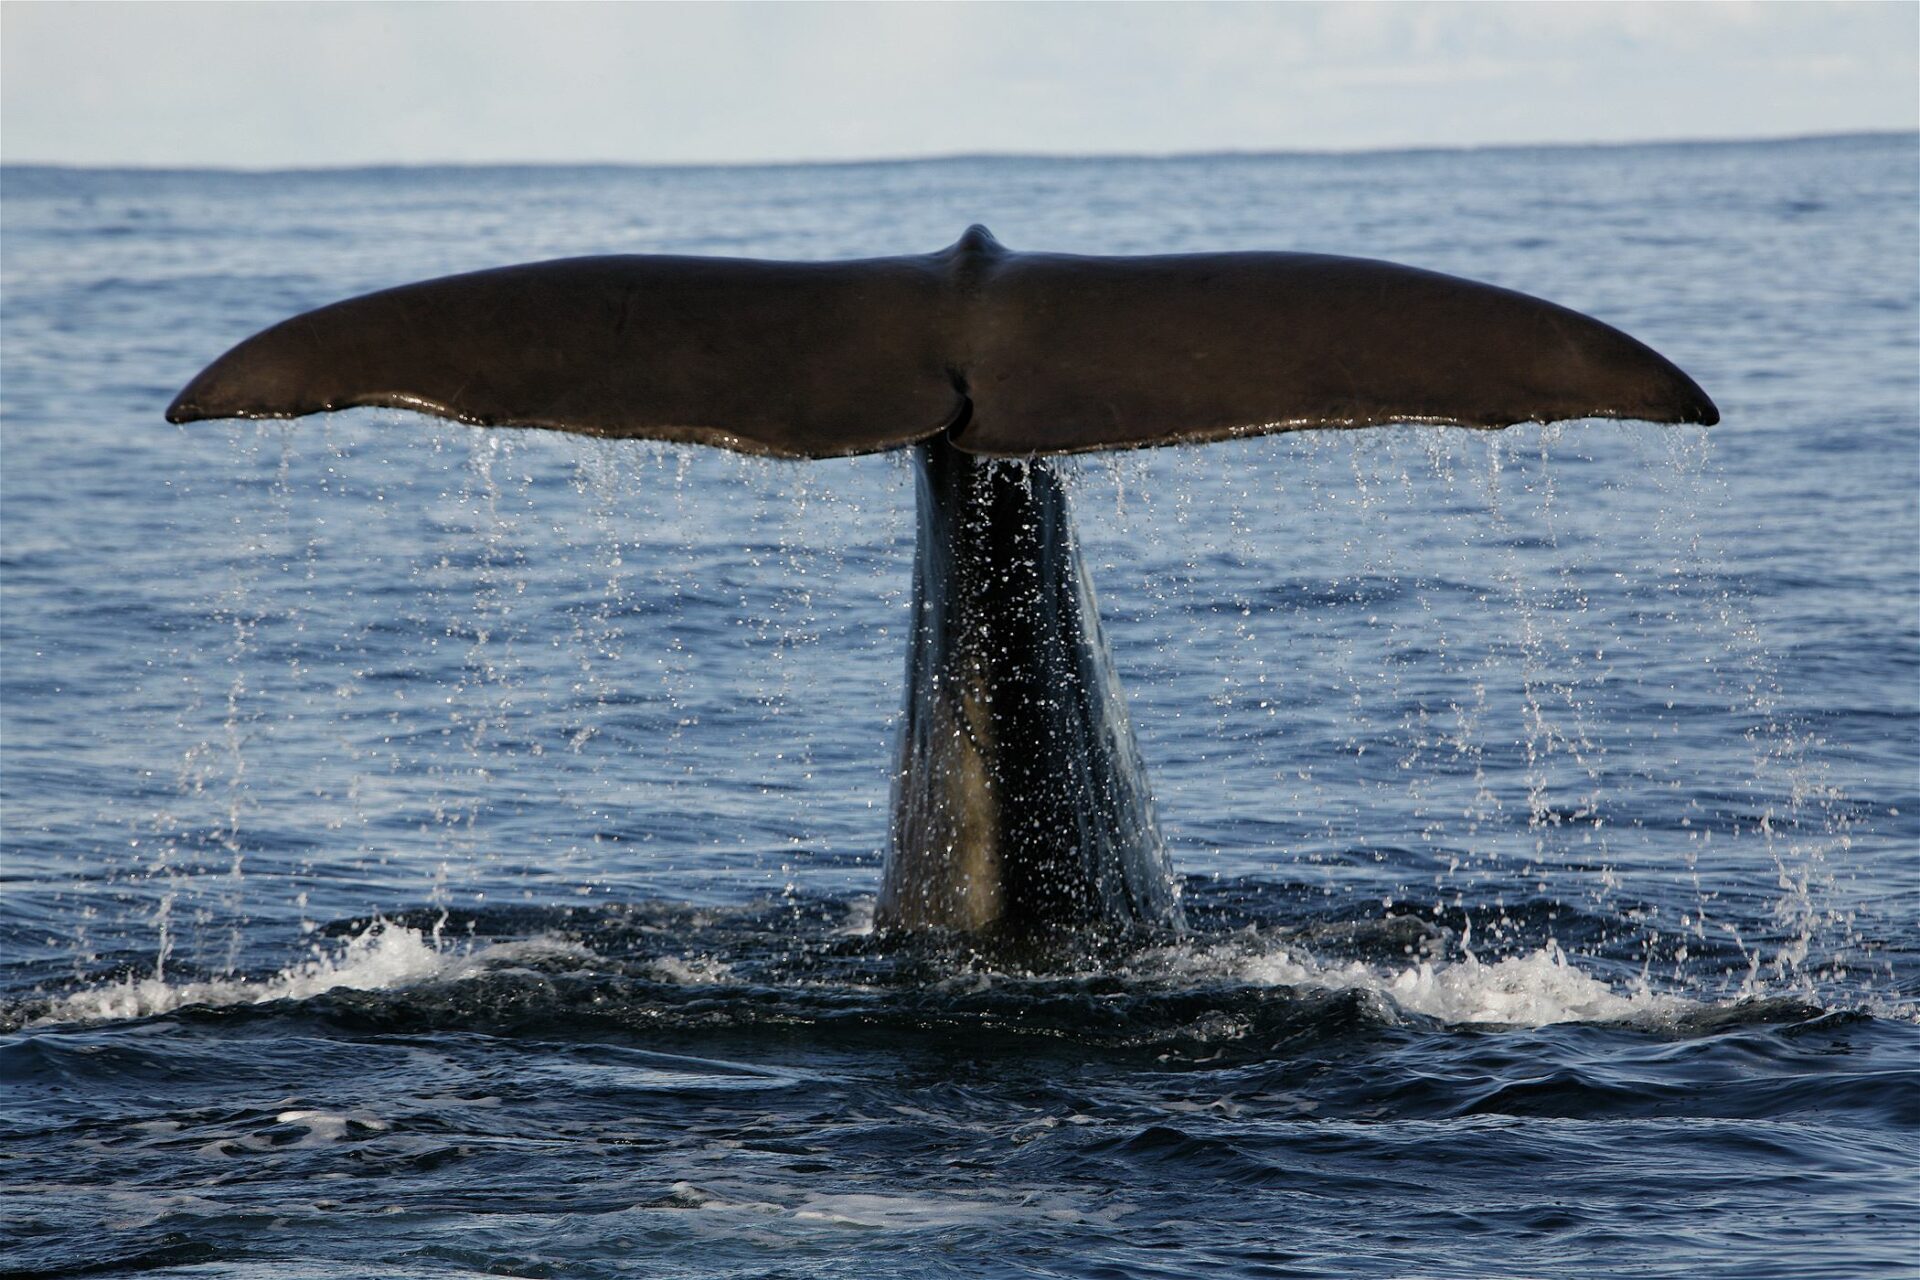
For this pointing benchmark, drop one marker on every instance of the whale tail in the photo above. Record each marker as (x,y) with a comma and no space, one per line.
(1020,802)
(1003,353)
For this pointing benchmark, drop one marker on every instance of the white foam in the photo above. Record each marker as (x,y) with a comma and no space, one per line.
(1534,990)
(860,915)
(691,971)
(871,1211)
(899,1212)
(382,957)
(329,1126)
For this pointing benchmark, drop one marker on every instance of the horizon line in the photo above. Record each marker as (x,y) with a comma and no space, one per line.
(949,157)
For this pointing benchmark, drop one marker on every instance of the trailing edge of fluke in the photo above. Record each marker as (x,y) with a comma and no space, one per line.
(1003,353)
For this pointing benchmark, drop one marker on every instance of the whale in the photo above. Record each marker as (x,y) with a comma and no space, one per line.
(1020,804)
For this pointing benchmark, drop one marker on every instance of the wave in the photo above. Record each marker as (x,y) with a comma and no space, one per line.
(383,956)
(837,963)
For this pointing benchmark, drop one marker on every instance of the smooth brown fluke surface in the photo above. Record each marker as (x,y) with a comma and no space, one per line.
(1007,353)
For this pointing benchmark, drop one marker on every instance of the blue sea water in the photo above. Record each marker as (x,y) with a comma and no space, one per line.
(431,851)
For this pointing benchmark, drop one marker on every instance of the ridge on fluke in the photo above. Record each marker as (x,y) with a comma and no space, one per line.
(1020,805)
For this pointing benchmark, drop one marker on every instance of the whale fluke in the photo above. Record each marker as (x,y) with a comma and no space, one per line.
(793,359)
(1020,803)
(1072,354)
(1007,354)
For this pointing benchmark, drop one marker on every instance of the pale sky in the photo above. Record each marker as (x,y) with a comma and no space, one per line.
(298,84)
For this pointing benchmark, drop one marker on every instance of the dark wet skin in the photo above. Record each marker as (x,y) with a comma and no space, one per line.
(1020,802)
(1010,354)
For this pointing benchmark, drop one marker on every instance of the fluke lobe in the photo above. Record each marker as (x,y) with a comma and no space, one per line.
(1019,800)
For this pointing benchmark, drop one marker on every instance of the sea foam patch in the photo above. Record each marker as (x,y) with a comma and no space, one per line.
(1539,989)
(384,956)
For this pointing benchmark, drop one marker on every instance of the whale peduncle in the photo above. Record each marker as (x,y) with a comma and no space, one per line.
(1020,804)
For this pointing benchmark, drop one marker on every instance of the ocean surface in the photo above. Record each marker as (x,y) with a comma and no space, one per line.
(433,852)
